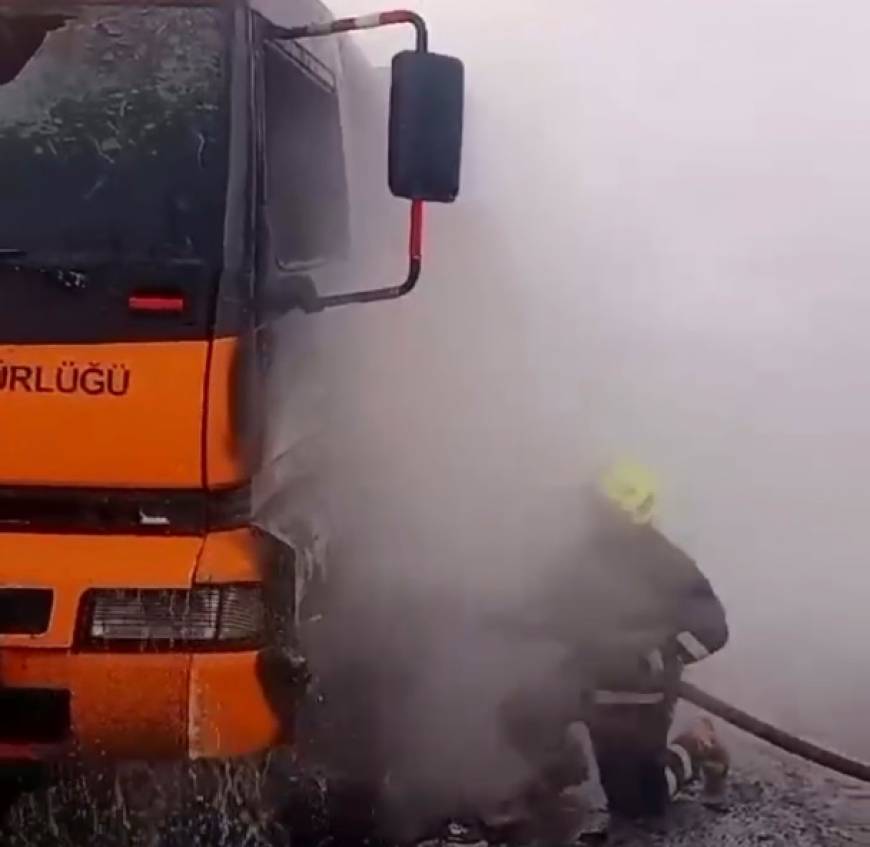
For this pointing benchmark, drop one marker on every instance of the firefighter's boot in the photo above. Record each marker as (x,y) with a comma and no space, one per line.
(701,754)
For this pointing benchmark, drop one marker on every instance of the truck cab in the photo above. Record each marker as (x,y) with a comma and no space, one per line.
(173,176)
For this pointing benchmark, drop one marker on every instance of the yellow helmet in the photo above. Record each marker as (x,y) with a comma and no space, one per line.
(632,488)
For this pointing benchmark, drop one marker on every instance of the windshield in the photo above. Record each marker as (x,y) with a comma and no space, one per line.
(113,132)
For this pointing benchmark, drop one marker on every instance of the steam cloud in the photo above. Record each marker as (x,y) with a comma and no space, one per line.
(660,249)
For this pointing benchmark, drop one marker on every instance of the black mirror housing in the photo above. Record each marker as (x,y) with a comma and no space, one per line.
(427,104)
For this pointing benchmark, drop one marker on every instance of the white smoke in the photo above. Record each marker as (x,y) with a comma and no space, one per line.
(670,199)
(659,250)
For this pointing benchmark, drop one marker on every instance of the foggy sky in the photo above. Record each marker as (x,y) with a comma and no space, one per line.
(668,202)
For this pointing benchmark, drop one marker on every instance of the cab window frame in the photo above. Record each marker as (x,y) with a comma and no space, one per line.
(276,276)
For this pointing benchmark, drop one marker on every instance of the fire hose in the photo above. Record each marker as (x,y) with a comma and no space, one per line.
(747,723)
(773,735)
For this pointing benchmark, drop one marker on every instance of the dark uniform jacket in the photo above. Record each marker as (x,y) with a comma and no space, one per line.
(628,605)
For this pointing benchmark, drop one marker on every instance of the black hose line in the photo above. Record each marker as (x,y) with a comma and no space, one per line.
(773,735)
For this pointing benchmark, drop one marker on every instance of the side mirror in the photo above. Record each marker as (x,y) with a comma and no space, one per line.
(426,117)
(427,102)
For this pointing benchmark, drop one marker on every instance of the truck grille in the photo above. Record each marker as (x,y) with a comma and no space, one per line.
(25,611)
(114,512)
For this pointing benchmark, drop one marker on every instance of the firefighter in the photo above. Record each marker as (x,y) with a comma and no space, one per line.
(632,610)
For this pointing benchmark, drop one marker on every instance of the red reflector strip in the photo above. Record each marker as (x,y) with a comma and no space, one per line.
(156,303)
(415,245)
(401,17)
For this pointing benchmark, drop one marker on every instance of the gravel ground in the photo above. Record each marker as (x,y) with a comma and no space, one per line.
(773,801)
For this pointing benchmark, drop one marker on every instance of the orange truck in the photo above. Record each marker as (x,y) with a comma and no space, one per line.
(171,174)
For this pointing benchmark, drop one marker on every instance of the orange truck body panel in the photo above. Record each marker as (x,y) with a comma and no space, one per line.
(224,455)
(135,420)
(53,438)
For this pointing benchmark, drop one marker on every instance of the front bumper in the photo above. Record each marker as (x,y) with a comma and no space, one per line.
(143,706)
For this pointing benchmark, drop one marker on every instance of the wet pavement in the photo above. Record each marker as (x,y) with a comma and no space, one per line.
(773,800)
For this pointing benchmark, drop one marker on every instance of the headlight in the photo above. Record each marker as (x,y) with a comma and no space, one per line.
(206,617)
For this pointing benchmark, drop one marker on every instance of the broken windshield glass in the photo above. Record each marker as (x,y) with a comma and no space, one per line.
(113,131)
